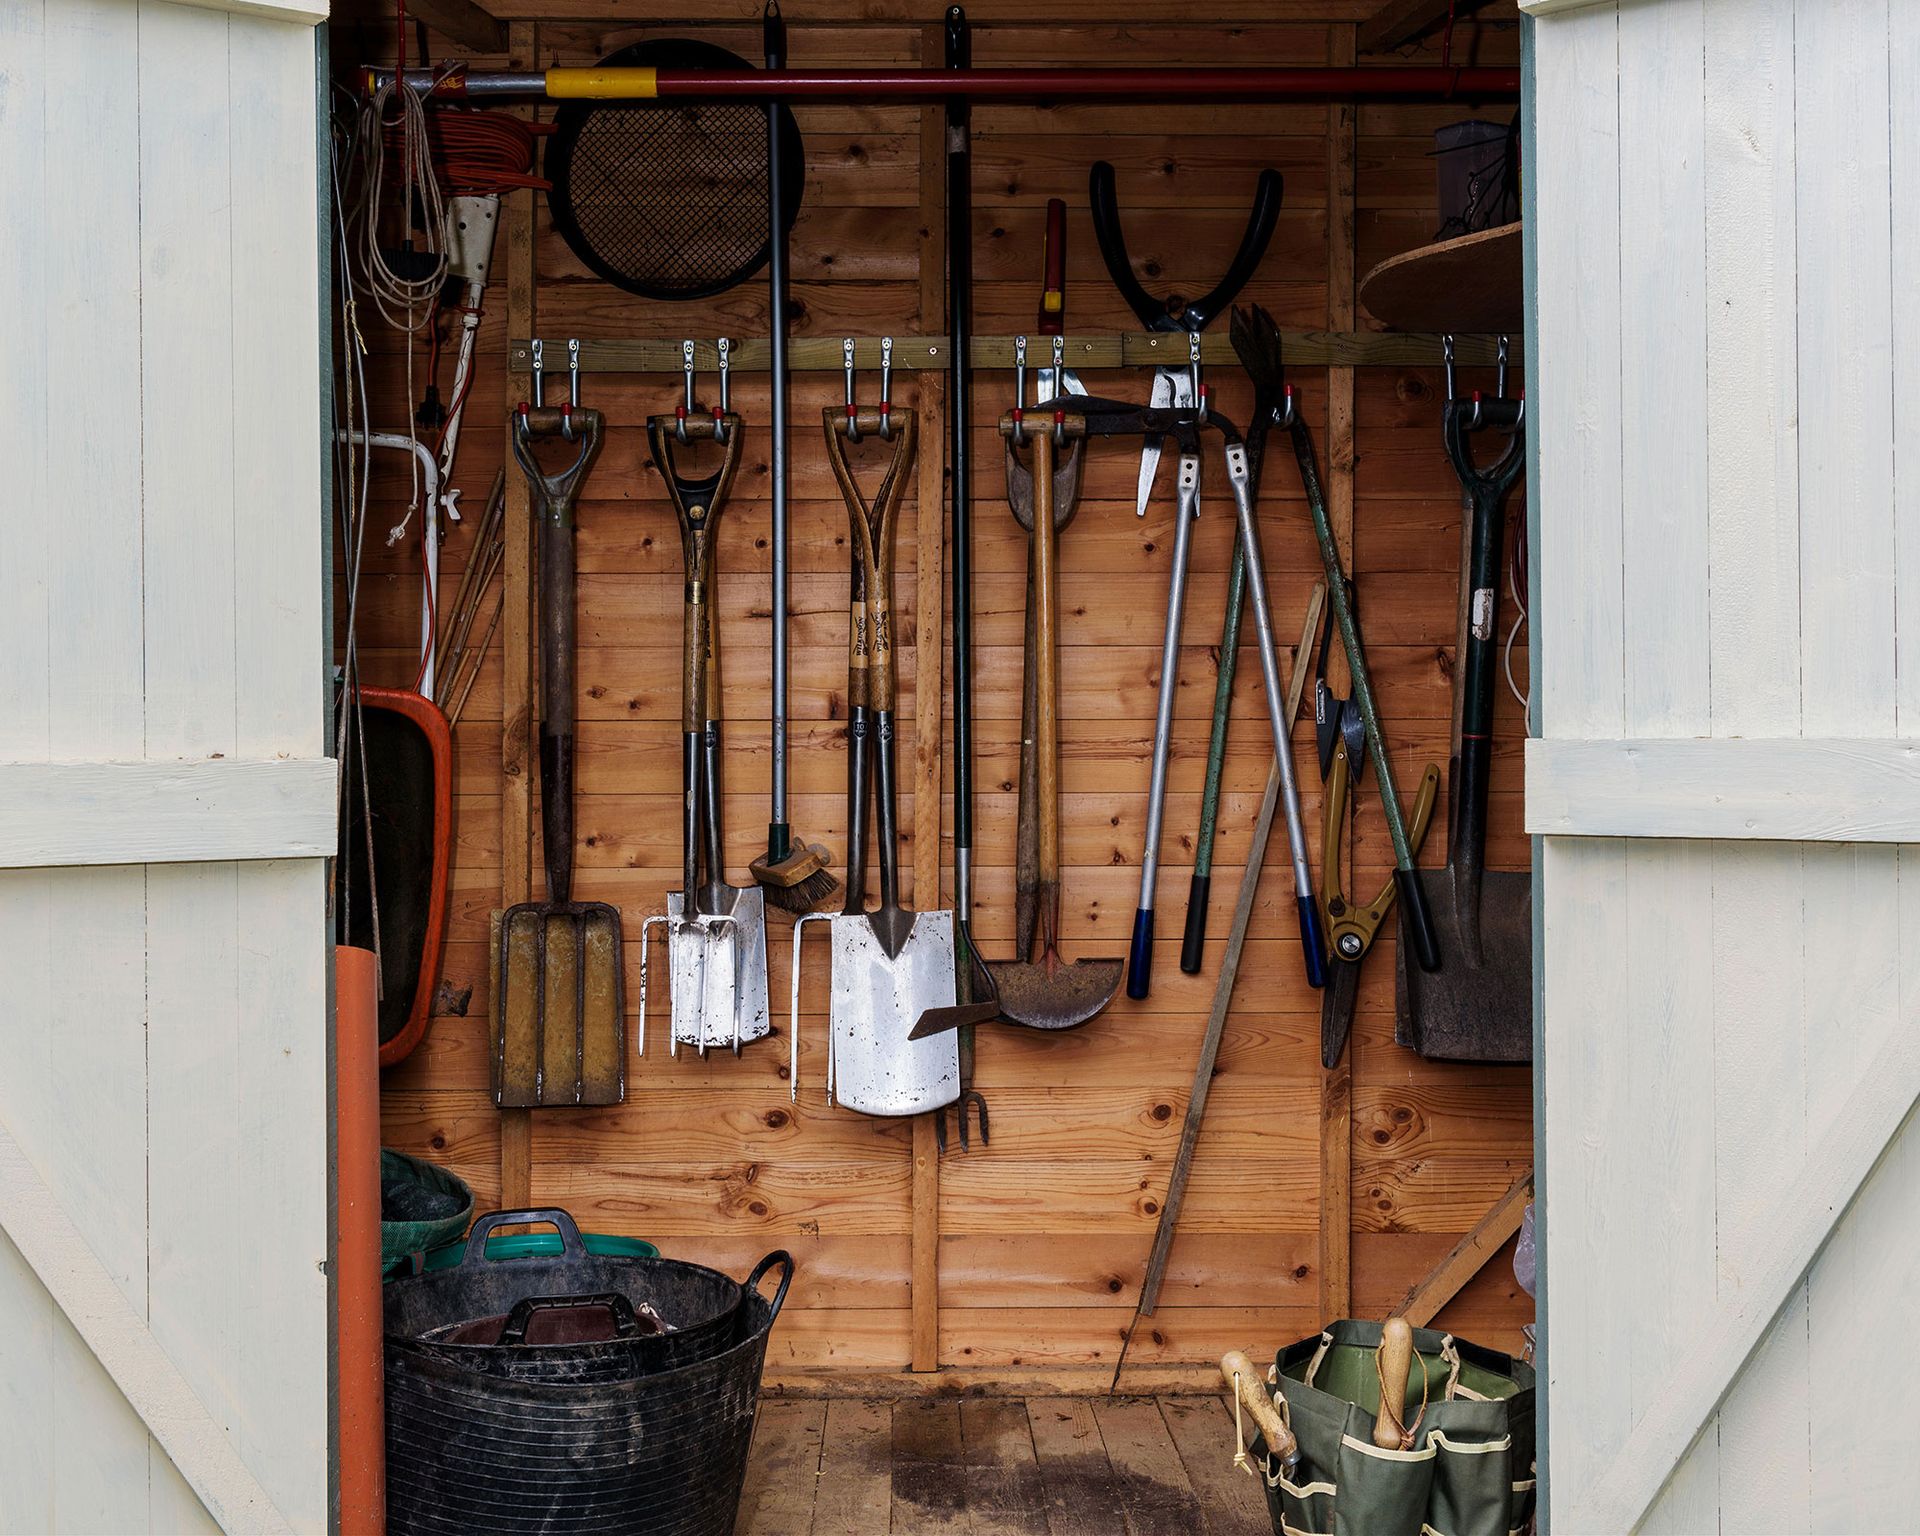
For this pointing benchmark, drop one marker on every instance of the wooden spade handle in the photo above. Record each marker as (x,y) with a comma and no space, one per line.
(1250,1387)
(1396,1359)
(1046,600)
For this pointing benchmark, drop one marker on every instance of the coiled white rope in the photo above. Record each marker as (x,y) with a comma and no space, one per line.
(405,303)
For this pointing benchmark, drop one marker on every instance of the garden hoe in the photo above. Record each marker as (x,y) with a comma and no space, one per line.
(1479,1005)
(891,965)
(1048,993)
(560,1007)
(716,933)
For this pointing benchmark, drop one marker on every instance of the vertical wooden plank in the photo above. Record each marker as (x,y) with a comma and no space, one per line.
(1004,1490)
(1753,518)
(277,1378)
(1664,1038)
(193,1039)
(94,644)
(1231,1503)
(856,1478)
(516,630)
(1587,1087)
(1080,1494)
(24,295)
(1843,167)
(929,651)
(1152,1481)
(929,1491)
(1848,650)
(31,1360)
(172,1505)
(1336,1085)
(1903,68)
(784,1469)
(28,1384)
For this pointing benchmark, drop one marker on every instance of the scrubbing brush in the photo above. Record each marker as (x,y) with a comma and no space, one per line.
(794,875)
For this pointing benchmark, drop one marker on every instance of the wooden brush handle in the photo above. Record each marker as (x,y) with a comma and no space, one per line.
(1396,1359)
(1249,1384)
(1046,600)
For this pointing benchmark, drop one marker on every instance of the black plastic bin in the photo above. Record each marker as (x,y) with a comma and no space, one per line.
(663,1454)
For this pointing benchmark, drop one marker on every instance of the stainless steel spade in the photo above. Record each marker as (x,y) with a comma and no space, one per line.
(891,965)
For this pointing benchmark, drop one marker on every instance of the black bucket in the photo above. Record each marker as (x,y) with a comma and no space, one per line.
(577,1317)
(663,1454)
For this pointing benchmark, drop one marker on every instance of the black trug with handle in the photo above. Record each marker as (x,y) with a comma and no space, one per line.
(1472,770)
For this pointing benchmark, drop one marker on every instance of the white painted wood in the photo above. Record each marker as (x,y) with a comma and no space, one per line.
(27,530)
(1795,1232)
(280,518)
(27,1383)
(37,1224)
(1560,7)
(165,812)
(310,11)
(147,627)
(1792,789)
(1760,971)
(1903,91)
(1846,426)
(1582,644)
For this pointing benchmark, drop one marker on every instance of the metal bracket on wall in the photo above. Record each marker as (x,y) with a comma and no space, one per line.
(1140,349)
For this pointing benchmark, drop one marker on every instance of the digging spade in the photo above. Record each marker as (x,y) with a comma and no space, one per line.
(1049,993)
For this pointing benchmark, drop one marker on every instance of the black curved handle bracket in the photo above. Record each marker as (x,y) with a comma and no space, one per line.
(1155,314)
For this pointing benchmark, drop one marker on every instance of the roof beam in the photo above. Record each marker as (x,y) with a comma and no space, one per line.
(462,22)
(1401,21)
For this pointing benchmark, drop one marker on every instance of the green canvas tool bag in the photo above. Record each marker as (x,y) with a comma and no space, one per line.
(1469,1471)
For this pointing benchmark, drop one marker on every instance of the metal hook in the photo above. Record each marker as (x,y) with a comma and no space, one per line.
(1473,420)
(573,388)
(724,347)
(853,413)
(886,389)
(1019,390)
(1289,411)
(1446,360)
(539,373)
(1059,414)
(1500,378)
(1193,370)
(685,408)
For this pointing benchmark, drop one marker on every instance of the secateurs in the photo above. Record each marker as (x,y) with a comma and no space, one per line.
(716,932)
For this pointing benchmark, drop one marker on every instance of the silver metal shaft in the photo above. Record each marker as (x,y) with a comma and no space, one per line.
(1270,665)
(1189,509)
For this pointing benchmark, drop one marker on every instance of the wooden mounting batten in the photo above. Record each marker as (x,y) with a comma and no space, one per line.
(913,354)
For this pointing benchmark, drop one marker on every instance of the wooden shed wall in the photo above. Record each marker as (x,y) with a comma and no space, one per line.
(1043,1235)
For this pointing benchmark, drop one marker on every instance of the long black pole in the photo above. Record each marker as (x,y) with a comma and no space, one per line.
(960,329)
(774,40)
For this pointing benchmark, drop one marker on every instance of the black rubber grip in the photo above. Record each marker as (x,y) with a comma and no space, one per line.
(1194,942)
(1140,956)
(1419,920)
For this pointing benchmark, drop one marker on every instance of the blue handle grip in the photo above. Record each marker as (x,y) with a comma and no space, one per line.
(1140,957)
(1313,941)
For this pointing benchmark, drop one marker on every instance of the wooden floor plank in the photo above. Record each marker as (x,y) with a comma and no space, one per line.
(855,1494)
(1076,1477)
(783,1469)
(1231,1503)
(1148,1472)
(929,1472)
(1005,1494)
